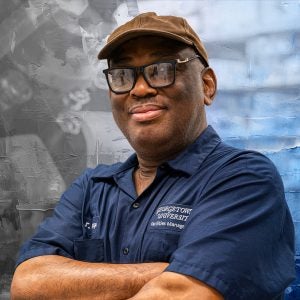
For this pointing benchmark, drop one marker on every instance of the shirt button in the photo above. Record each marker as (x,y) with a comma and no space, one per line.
(125,251)
(136,205)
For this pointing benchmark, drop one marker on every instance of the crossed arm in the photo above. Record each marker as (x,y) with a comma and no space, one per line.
(57,277)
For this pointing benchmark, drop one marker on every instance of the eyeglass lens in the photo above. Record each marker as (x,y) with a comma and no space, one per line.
(120,79)
(160,74)
(156,75)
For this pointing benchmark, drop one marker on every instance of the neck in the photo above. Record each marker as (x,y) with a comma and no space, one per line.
(146,172)
(148,167)
(144,175)
(150,160)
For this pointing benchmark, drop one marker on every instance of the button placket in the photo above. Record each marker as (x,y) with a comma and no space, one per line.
(136,205)
(125,251)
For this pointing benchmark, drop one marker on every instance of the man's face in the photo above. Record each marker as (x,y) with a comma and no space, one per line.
(160,121)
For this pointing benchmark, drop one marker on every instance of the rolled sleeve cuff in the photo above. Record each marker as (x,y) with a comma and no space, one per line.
(40,252)
(201,273)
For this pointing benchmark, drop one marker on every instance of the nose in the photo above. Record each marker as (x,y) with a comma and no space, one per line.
(142,89)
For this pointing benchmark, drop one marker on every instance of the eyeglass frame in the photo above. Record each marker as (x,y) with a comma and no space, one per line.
(140,69)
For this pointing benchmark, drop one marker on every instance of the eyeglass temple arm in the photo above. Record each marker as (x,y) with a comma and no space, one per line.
(182,61)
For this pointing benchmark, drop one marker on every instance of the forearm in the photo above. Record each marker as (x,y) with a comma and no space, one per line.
(174,286)
(56,277)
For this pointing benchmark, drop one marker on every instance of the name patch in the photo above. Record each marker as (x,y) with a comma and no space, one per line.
(170,217)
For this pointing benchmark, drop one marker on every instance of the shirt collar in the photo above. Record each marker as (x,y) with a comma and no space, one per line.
(193,156)
(187,161)
(106,171)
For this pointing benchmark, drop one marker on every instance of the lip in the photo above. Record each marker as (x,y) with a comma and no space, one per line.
(146,112)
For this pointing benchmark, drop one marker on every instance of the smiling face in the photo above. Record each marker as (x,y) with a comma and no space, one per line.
(161,122)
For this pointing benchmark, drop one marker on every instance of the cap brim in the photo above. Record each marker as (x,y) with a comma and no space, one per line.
(131,34)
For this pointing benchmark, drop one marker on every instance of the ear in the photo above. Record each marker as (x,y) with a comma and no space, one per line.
(209,85)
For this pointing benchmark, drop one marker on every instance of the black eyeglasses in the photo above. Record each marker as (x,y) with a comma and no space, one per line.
(157,75)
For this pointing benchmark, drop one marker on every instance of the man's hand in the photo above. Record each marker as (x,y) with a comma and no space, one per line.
(57,277)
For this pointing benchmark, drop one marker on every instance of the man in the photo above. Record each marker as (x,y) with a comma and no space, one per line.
(187,216)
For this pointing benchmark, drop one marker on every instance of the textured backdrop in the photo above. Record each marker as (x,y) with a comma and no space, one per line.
(55,115)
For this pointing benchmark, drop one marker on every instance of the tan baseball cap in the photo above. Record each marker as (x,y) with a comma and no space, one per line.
(150,23)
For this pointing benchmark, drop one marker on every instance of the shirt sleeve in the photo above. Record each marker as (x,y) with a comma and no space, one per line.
(240,238)
(57,233)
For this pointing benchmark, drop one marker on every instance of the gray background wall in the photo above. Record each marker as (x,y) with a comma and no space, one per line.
(54,111)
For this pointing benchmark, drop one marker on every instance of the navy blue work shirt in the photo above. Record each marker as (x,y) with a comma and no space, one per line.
(214,212)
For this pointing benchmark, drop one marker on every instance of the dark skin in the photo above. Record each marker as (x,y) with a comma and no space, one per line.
(179,114)
(159,124)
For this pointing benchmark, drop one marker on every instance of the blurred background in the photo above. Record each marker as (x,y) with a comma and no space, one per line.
(55,115)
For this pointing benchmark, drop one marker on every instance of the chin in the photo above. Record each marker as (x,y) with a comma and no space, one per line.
(148,140)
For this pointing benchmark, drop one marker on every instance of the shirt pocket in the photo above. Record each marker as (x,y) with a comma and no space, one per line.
(158,246)
(90,250)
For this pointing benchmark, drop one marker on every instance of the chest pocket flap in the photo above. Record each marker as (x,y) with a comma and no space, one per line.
(90,250)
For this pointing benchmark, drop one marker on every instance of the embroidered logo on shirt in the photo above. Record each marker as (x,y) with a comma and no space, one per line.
(91,225)
(170,217)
